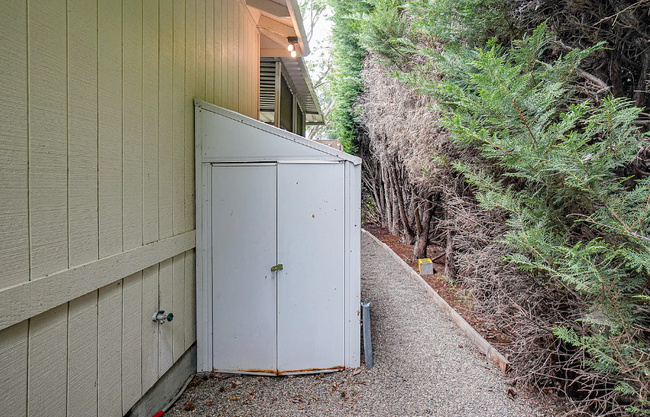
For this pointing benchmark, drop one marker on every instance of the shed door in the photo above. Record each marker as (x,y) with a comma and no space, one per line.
(289,321)
(243,250)
(311,285)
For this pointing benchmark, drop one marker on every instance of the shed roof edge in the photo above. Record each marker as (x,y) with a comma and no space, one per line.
(200,104)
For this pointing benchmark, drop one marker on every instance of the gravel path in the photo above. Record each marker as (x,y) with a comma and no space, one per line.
(423,366)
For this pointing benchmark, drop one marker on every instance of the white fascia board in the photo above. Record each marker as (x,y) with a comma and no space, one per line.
(296,18)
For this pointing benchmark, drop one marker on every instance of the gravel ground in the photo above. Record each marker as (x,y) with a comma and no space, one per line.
(424,366)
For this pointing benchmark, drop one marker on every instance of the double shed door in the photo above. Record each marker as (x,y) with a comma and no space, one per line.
(290,320)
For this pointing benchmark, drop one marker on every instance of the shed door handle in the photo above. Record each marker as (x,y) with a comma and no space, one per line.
(277,267)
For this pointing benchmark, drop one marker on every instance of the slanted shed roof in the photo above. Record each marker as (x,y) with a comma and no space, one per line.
(271,144)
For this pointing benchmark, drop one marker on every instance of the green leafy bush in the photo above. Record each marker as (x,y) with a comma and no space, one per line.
(464,22)
(345,80)
(558,167)
(576,219)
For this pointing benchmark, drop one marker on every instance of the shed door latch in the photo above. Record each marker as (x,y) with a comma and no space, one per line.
(277,267)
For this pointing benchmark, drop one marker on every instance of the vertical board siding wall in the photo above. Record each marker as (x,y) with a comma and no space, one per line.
(96,159)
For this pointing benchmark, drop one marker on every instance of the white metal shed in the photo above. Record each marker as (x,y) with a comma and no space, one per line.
(278,241)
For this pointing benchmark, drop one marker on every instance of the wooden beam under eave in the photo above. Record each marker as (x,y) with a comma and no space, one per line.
(279,40)
(276,27)
(270,7)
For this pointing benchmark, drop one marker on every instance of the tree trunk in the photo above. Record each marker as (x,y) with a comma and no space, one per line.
(372,182)
(382,199)
(420,250)
(394,227)
(388,201)
(616,77)
(409,236)
(418,218)
(450,261)
(411,209)
(641,86)
(376,198)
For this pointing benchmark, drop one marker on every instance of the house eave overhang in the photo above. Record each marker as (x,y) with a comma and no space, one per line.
(304,89)
(280,21)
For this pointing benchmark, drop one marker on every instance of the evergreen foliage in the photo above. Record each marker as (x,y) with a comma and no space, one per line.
(464,22)
(556,169)
(560,166)
(345,81)
(386,32)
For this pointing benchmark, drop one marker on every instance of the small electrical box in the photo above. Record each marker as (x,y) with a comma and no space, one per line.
(425,266)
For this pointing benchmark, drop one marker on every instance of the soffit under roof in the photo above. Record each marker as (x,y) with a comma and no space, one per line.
(277,21)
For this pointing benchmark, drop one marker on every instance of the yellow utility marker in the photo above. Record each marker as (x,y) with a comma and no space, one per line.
(425,266)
